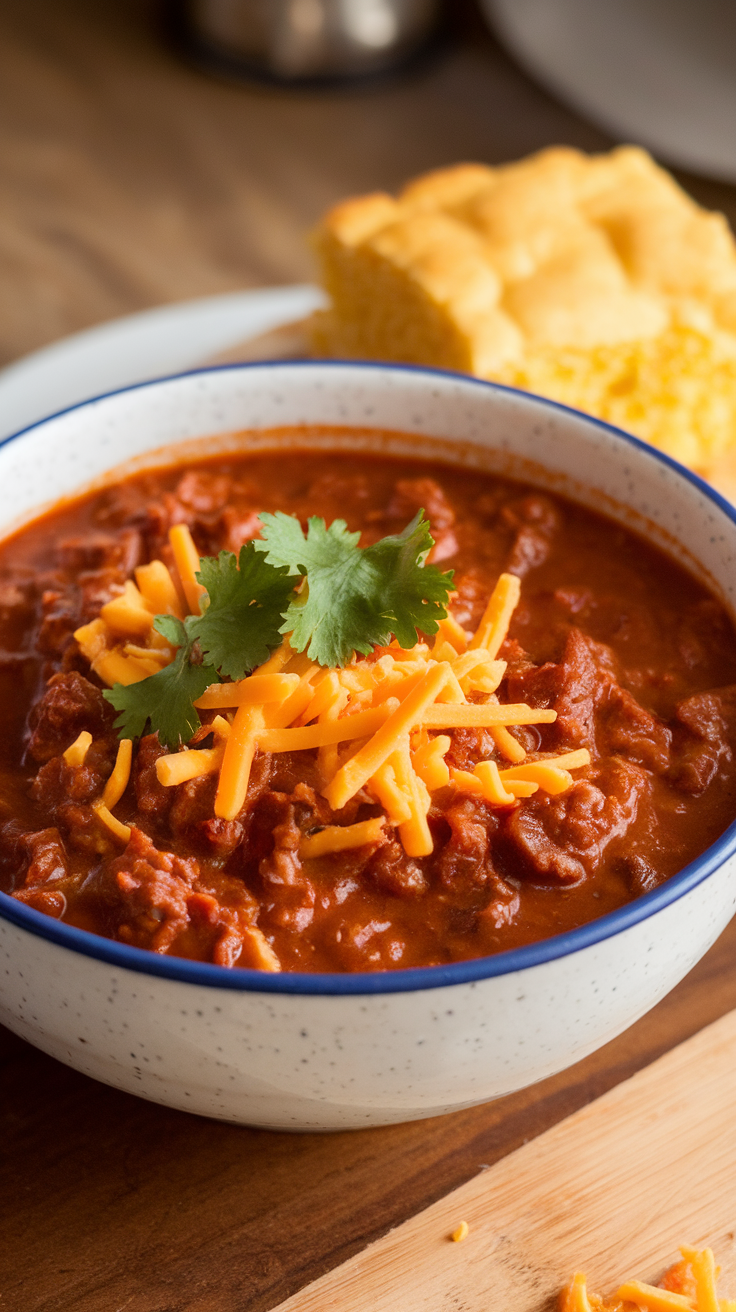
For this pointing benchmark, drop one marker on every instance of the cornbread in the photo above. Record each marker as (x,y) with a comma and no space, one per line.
(592,280)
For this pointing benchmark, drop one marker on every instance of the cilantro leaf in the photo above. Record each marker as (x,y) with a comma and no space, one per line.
(166,698)
(172,630)
(283,540)
(413,595)
(356,598)
(247,600)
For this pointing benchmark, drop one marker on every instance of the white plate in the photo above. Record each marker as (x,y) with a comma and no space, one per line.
(661,73)
(140,347)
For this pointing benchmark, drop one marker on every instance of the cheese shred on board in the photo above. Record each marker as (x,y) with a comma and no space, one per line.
(380,725)
(688,1286)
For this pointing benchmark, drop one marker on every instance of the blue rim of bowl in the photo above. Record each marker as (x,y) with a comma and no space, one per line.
(416,978)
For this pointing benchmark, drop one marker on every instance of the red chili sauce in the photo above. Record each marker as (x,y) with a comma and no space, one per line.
(635,656)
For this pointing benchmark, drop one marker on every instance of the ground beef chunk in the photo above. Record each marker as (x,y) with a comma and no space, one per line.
(203,492)
(367,943)
(575,601)
(338,487)
(187,811)
(83,829)
(638,873)
(199,501)
(468,747)
(283,866)
(533,522)
(464,861)
(705,730)
(218,837)
(160,901)
(562,839)
(225,917)
(470,600)
(704,632)
(627,729)
(503,906)
(50,901)
(159,516)
(66,793)
(413,494)
(193,804)
(16,609)
(39,863)
(70,704)
(67,603)
(593,710)
(60,617)
(152,799)
(121,551)
(574,687)
(239,527)
(46,857)
(281,870)
(145,893)
(392,871)
(57,782)
(96,588)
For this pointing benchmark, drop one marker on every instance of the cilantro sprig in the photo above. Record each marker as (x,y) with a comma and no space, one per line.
(240,626)
(237,630)
(334,597)
(166,698)
(354,598)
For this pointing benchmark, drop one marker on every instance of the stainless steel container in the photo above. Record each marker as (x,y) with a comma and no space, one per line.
(294,40)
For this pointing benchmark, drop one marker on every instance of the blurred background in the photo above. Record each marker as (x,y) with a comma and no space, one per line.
(141,162)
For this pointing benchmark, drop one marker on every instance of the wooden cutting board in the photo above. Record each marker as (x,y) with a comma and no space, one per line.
(612,1190)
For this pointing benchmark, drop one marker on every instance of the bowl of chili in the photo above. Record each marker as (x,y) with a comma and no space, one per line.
(278,912)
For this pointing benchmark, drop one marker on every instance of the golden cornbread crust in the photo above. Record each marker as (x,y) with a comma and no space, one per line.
(594,280)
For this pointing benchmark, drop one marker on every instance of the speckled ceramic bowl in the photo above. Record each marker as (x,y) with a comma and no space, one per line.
(337,1051)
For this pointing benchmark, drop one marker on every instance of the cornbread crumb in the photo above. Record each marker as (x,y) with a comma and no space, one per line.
(461,1233)
(595,281)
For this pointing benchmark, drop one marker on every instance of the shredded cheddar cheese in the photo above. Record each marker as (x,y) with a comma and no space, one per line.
(76,754)
(361,725)
(118,781)
(574,1297)
(116,827)
(159,590)
(495,623)
(484,716)
(186,558)
(381,724)
(506,744)
(689,1286)
(653,1299)
(339,838)
(429,762)
(128,614)
(113,791)
(256,690)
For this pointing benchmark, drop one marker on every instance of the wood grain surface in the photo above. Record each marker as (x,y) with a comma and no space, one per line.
(128,179)
(110,1203)
(611,1190)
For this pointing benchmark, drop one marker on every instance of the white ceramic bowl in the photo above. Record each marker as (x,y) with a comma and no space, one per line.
(337,1051)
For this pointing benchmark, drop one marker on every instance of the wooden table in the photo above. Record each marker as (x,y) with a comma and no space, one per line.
(128,179)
